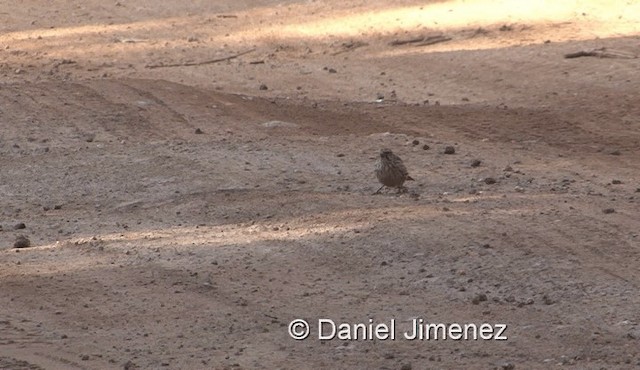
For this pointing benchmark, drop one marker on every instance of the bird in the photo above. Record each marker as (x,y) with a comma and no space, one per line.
(390,171)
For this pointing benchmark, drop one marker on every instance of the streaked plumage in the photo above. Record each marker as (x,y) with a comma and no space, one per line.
(390,171)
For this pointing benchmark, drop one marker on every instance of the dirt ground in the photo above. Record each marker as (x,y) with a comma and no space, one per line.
(193,176)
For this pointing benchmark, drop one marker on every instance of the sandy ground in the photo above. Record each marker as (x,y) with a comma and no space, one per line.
(193,177)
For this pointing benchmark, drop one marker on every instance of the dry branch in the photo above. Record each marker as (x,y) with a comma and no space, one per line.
(350,46)
(433,40)
(602,53)
(421,41)
(407,41)
(189,64)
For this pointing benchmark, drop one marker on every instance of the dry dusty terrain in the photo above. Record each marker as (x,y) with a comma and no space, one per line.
(193,177)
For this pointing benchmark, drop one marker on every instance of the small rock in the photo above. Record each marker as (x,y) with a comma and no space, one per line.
(508,169)
(340,155)
(85,358)
(57,206)
(199,131)
(129,365)
(546,300)
(508,366)
(607,211)
(616,182)
(415,142)
(192,39)
(476,163)
(426,147)
(263,87)
(406,367)
(19,226)
(481,297)
(490,181)
(22,242)
(449,150)
(486,246)
(389,356)
(519,189)
(615,152)
(331,70)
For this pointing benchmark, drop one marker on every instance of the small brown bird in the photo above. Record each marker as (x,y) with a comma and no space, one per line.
(390,171)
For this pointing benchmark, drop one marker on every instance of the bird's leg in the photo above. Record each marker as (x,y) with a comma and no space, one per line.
(378,191)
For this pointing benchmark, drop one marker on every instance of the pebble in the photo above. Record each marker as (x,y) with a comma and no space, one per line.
(607,211)
(490,180)
(263,87)
(449,150)
(481,297)
(476,163)
(22,242)
(199,131)
(19,226)
(426,147)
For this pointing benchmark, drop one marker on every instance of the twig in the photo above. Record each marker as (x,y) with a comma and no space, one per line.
(422,40)
(601,53)
(408,41)
(350,47)
(579,54)
(434,40)
(189,64)
(227,16)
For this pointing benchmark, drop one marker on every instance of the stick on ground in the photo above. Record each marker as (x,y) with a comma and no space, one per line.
(433,40)
(602,53)
(188,64)
(421,41)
